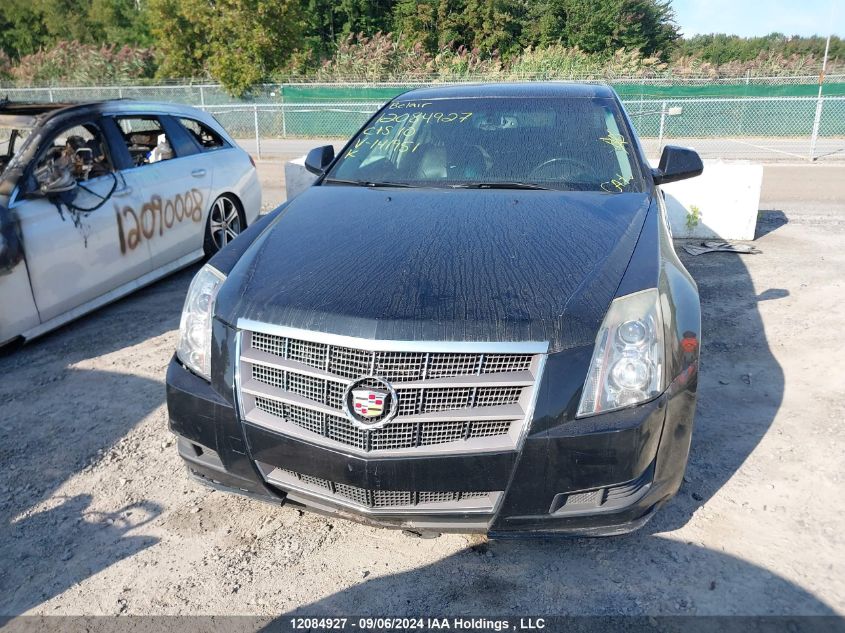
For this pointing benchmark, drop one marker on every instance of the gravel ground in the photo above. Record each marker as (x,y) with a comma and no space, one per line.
(97,514)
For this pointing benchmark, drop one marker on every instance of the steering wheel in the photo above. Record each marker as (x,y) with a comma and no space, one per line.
(580,167)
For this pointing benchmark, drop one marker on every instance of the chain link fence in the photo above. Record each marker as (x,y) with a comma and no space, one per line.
(743,127)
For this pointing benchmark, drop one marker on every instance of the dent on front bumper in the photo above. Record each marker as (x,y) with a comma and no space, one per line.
(603,475)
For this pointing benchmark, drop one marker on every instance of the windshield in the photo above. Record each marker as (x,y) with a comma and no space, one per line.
(11,140)
(577,144)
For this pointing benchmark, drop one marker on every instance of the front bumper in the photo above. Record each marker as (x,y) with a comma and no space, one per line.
(598,476)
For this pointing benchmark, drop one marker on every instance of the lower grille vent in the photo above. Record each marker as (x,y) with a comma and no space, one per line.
(374,499)
(603,499)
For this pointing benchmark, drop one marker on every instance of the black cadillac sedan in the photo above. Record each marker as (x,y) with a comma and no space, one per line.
(474,320)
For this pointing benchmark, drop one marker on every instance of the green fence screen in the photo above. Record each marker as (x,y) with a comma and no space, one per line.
(324,93)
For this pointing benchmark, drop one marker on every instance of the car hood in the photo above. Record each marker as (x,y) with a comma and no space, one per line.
(435,264)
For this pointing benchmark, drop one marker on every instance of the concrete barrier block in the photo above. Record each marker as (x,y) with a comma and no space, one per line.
(720,203)
(297,178)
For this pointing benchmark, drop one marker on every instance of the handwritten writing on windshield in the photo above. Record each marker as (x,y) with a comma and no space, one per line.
(394,131)
(616,141)
(403,105)
(398,145)
(424,117)
(616,184)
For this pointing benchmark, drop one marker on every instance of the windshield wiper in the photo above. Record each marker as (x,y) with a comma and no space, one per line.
(501,185)
(366,183)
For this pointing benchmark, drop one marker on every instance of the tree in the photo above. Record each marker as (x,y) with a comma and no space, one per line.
(364,16)
(27,26)
(493,25)
(482,25)
(321,27)
(647,26)
(546,23)
(22,30)
(238,42)
(119,22)
(433,23)
(719,48)
(328,21)
(603,26)
(66,19)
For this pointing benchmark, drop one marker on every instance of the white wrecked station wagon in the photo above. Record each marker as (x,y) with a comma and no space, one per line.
(100,199)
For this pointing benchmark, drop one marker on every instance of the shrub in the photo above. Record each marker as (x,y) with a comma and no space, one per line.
(381,57)
(82,64)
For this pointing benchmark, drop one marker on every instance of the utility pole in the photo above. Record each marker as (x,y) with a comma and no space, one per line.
(819,103)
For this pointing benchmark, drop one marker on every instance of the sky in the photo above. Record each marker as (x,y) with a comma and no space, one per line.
(760,17)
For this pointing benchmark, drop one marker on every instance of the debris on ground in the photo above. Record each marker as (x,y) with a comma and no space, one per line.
(712,246)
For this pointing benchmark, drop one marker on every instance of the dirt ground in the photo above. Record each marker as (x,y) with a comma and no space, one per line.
(98,516)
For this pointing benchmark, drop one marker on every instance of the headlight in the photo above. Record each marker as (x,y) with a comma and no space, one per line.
(627,364)
(194,348)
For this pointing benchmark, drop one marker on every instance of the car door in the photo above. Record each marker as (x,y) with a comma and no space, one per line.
(75,247)
(172,181)
(17,307)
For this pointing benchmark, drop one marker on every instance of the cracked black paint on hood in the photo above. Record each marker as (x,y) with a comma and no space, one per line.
(439,264)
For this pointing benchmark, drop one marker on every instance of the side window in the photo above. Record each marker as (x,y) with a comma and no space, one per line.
(145,139)
(207,138)
(80,150)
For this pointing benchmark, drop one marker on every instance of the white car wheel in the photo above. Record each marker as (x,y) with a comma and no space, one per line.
(225,222)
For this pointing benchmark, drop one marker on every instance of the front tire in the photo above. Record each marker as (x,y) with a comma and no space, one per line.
(225,222)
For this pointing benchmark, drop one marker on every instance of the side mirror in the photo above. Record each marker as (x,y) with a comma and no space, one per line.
(677,163)
(319,158)
(54,178)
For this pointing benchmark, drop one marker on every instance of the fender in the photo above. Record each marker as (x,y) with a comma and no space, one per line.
(227,257)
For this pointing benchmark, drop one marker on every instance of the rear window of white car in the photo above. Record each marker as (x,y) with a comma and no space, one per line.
(207,138)
(145,139)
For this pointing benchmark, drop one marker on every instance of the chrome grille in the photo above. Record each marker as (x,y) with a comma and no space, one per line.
(396,435)
(458,402)
(445,365)
(487,428)
(307,353)
(493,396)
(290,480)
(398,366)
(334,394)
(391,366)
(271,344)
(445,399)
(350,363)
(306,386)
(411,401)
(306,418)
(269,375)
(495,363)
(341,430)
(443,433)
